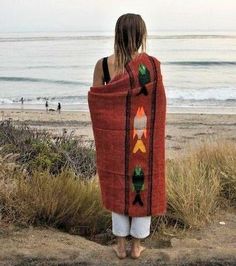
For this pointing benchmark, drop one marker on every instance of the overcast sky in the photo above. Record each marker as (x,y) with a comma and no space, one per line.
(101,15)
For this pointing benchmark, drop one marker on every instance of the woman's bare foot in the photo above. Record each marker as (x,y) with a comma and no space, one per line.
(120,253)
(136,249)
(120,248)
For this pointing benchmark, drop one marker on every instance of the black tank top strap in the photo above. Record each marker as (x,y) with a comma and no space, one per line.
(105,70)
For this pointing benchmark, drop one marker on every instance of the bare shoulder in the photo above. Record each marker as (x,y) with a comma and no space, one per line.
(98,65)
(98,73)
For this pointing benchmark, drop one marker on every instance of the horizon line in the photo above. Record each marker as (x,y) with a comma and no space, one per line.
(112,31)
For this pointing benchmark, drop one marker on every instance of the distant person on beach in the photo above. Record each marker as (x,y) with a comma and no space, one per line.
(46,105)
(132,181)
(22,102)
(59,108)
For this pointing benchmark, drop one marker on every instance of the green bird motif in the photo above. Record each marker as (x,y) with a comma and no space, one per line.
(138,184)
(144,78)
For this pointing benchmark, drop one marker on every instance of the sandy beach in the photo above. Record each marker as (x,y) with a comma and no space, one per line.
(183,130)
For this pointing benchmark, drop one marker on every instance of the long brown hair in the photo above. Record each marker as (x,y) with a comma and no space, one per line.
(130,35)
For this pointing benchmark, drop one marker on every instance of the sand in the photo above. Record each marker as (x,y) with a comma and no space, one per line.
(212,245)
(183,130)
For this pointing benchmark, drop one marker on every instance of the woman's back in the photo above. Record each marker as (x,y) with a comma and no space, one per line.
(104,70)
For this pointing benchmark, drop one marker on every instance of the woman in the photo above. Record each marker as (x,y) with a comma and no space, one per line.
(109,73)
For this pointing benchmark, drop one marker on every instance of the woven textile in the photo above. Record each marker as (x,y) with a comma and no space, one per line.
(128,118)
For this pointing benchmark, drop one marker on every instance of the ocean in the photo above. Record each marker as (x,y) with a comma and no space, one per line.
(198,68)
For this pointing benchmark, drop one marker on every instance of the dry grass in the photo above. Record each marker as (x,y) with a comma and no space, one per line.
(197,185)
(221,156)
(201,182)
(62,201)
(192,191)
(9,172)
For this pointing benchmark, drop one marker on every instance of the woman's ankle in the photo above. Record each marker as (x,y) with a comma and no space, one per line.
(121,242)
(136,242)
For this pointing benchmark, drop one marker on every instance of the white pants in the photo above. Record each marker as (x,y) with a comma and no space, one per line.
(140,226)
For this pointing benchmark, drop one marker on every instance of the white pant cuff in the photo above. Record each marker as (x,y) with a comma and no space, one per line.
(139,235)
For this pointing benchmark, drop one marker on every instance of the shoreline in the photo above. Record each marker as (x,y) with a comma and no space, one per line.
(228,110)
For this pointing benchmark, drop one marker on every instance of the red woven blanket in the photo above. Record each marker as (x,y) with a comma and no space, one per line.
(128,119)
